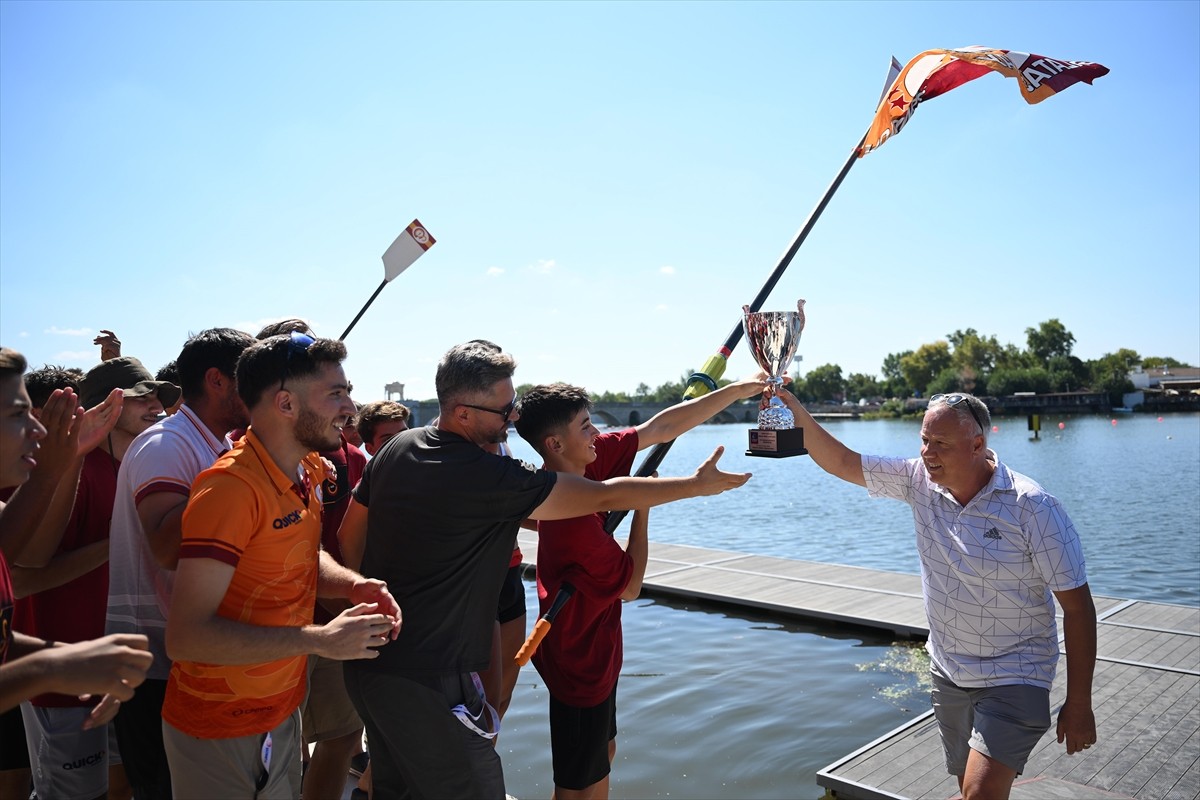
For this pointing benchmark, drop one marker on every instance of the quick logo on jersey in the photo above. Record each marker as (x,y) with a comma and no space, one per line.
(282,522)
(992,533)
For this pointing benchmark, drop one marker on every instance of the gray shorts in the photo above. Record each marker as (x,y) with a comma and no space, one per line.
(327,712)
(1002,722)
(202,769)
(66,761)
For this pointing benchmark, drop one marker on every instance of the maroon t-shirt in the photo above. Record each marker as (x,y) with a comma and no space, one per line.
(335,497)
(6,609)
(580,658)
(74,612)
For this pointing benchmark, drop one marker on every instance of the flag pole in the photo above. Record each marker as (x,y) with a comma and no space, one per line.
(705,381)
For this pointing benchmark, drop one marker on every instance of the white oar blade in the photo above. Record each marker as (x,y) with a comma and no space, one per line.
(408,247)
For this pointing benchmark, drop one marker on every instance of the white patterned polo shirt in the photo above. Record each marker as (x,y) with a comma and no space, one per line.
(988,570)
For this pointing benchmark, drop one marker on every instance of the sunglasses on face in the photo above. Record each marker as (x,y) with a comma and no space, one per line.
(505,412)
(955,399)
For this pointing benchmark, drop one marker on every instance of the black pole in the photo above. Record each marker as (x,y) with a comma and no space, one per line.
(655,457)
(363,310)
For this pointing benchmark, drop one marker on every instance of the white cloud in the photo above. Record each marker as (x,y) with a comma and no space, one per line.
(495,272)
(667,269)
(69,358)
(544,266)
(662,307)
(54,329)
(23,335)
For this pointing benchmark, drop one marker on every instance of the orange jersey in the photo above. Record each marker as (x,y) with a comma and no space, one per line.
(247,513)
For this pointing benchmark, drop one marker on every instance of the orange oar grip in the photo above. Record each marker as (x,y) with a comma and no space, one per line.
(531,644)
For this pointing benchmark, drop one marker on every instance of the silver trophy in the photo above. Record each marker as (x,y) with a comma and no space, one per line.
(773,337)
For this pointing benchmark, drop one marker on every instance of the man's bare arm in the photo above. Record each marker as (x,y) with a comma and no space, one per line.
(113,665)
(196,632)
(161,515)
(829,454)
(62,569)
(575,495)
(671,423)
(1076,721)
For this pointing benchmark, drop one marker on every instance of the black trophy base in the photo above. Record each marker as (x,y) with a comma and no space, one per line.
(776,444)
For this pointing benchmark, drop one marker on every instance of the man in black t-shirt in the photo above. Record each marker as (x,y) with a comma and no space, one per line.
(436,516)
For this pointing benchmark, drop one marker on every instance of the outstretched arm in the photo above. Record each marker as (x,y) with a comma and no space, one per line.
(1076,721)
(575,495)
(830,454)
(670,423)
(113,665)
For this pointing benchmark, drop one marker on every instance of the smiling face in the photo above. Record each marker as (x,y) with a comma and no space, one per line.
(20,432)
(954,452)
(138,414)
(573,448)
(324,408)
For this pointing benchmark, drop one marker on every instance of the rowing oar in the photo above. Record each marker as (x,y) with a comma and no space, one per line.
(408,247)
(543,625)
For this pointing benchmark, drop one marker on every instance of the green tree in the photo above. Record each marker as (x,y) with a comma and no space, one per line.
(825,383)
(974,352)
(859,386)
(1154,362)
(1110,373)
(1010,380)
(641,392)
(922,366)
(894,384)
(954,379)
(1049,339)
(1067,374)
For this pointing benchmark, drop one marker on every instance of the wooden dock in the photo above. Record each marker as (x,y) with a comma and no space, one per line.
(1146,693)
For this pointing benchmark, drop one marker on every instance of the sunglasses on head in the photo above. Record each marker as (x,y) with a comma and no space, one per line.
(297,343)
(955,399)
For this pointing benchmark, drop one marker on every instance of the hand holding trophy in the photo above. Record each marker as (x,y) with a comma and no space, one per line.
(773,337)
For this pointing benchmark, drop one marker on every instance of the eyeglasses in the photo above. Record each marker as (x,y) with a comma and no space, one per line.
(297,343)
(505,412)
(955,399)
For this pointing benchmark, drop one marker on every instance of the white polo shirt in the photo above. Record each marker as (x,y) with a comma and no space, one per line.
(988,570)
(166,457)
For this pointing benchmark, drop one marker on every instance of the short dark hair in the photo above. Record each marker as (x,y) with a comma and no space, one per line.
(278,359)
(284,326)
(470,369)
(214,347)
(168,372)
(548,409)
(373,414)
(41,383)
(11,363)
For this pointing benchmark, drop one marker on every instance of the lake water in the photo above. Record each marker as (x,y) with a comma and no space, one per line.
(714,703)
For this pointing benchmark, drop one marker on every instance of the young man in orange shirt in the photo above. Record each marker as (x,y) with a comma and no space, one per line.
(250,570)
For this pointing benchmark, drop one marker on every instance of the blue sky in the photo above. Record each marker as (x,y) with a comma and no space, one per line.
(608,183)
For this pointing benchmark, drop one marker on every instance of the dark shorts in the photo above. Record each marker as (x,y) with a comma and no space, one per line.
(512,596)
(14,754)
(139,734)
(579,740)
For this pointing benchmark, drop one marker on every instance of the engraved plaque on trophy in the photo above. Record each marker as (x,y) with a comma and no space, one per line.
(773,337)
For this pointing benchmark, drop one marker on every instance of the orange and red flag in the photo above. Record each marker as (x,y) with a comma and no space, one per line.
(936,72)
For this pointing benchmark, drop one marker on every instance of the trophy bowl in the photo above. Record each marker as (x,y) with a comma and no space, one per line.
(773,337)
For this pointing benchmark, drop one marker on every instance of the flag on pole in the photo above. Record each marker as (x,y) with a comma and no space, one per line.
(936,72)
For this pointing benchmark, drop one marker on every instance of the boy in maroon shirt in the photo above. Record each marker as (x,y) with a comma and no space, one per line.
(580,659)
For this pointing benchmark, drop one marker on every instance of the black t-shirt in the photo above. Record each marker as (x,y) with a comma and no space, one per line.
(442,521)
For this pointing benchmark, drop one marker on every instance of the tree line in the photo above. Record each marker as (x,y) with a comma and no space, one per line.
(965,361)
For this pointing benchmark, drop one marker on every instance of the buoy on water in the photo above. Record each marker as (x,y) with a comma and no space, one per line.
(1160,419)
(995,429)
(1114,422)
(1062,425)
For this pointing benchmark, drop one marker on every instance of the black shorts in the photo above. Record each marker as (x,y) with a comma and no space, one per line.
(512,596)
(579,740)
(14,754)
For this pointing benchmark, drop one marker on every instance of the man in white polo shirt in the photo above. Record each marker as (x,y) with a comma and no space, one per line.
(152,491)
(993,546)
